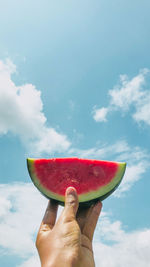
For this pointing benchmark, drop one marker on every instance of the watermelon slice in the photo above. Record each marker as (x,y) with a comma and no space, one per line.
(93,179)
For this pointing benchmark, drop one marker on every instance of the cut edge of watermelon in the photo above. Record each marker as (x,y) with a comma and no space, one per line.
(85,197)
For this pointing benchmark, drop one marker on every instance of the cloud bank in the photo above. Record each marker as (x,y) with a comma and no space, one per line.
(126,249)
(21,113)
(20,202)
(129,93)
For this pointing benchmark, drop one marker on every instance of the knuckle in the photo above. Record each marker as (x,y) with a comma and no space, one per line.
(86,243)
(39,239)
(45,227)
(68,218)
(71,202)
(96,213)
(37,242)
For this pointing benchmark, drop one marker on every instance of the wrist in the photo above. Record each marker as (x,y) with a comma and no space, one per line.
(54,264)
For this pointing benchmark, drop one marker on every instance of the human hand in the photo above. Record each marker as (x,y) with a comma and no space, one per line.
(68,242)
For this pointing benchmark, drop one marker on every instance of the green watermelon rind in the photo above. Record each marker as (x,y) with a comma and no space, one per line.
(85,198)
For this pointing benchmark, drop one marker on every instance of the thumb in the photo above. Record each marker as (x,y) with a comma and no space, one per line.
(71,203)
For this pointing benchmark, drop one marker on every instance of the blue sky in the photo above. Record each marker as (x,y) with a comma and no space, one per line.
(75,81)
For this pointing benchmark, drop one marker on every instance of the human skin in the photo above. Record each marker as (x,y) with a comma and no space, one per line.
(68,242)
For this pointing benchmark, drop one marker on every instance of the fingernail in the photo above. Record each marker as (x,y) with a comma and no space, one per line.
(71,191)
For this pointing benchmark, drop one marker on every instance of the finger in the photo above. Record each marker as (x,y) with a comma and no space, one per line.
(82,216)
(90,225)
(50,215)
(71,203)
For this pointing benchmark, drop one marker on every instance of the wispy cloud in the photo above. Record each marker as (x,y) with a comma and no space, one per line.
(20,202)
(128,93)
(21,113)
(138,161)
(100,114)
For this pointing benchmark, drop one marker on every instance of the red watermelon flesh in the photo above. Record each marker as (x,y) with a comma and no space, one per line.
(93,179)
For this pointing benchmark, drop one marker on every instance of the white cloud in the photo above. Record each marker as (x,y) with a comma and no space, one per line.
(21,113)
(33,261)
(133,173)
(129,93)
(126,248)
(133,250)
(100,114)
(138,161)
(143,110)
(23,208)
(20,216)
